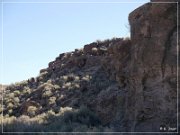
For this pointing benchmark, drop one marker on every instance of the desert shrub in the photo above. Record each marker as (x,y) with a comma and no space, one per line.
(23,83)
(47,93)
(50,113)
(76,78)
(24,118)
(17,84)
(64,78)
(67,85)
(67,120)
(71,85)
(8,120)
(76,86)
(7,100)
(52,100)
(56,87)
(10,105)
(11,95)
(94,49)
(39,118)
(31,110)
(68,78)
(10,111)
(65,109)
(48,89)
(61,97)
(26,90)
(16,93)
(44,74)
(86,77)
(84,117)
(16,100)
(13,124)
(48,86)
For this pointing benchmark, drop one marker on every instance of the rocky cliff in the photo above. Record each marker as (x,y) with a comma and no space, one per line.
(129,84)
(153,67)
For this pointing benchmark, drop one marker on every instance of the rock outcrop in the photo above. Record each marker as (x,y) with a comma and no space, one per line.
(153,67)
(130,84)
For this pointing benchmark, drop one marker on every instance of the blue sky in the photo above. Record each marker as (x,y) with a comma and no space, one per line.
(36,33)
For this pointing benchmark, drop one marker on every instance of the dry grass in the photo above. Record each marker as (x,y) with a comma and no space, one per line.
(66,120)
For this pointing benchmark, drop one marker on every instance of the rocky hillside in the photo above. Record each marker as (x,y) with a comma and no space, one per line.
(2,87)
(119,85)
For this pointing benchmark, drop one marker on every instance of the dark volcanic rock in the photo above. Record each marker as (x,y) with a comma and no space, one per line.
(153,63)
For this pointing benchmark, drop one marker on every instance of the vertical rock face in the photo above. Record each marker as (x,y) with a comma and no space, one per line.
(153,67)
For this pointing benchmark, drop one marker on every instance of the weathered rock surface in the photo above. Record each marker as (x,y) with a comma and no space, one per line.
(153,64)
(130,84)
